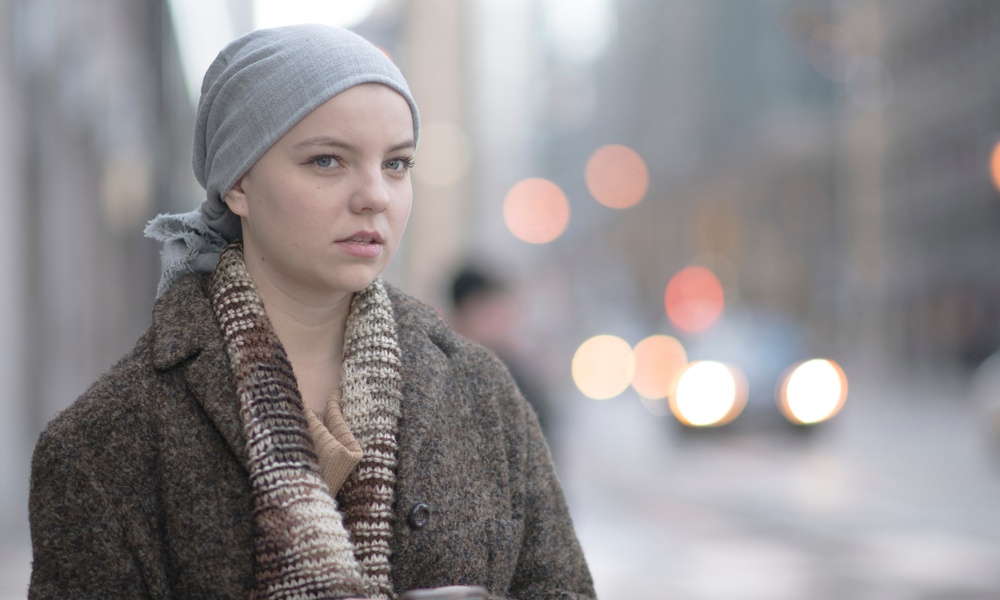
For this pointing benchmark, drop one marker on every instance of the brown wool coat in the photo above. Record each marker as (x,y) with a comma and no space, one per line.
(140,489)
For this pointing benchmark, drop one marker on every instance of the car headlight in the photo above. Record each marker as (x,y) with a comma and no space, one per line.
(708,394)
(812,391)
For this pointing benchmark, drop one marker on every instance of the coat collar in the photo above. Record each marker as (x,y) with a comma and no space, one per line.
(186,337)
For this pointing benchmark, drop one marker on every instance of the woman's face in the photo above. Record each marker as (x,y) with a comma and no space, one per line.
(324,209)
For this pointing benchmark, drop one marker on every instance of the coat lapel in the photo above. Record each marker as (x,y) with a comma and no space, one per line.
(187,338)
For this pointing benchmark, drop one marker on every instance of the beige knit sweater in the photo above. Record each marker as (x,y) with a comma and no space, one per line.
(337,450)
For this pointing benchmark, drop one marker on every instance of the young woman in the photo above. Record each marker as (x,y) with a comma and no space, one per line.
(290,426)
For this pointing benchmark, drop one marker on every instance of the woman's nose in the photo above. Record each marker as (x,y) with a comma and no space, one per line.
(372,193)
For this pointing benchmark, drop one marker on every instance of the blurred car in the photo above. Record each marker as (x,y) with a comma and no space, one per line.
(754,369)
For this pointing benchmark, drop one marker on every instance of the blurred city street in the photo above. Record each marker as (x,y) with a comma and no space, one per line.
(894,500)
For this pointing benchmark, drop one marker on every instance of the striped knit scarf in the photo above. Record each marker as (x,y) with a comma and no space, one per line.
(306,546)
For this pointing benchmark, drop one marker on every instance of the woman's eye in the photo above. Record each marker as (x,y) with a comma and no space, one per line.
(399,164)
(324,162)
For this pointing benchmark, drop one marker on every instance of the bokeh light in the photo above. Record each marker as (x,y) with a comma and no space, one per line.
(813,391)
(694,299)
(603,367)
(616,176)
(708,394)
(995,165)
(658,359)
(536,211)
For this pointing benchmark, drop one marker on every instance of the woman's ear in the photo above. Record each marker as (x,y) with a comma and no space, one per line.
(236,198)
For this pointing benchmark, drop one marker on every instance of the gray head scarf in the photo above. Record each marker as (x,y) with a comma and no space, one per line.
(258,88)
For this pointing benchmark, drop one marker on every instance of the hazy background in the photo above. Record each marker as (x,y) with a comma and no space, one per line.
(829,161)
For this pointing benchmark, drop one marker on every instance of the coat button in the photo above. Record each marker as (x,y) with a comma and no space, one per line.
(420,513)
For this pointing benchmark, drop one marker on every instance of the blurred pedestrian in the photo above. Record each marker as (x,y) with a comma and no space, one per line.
(290,426)
(485,310)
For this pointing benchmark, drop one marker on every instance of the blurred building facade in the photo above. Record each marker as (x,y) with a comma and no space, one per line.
(942,210)
(736,127)
(829,159)
(97,140)
(735,123)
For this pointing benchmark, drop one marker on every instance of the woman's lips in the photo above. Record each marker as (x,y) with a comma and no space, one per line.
(364,244)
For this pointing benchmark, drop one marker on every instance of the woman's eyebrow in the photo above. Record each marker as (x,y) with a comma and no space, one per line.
(407,145)
(324,141)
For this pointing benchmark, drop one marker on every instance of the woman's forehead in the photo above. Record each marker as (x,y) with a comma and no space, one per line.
(363,112)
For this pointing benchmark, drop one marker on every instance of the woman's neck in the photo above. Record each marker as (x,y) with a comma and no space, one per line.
(312,334)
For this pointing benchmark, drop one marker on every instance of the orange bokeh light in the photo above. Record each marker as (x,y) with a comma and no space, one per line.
(603,366)
(694,299)
(617,176)
(536,211)
(658,359)
(995,165)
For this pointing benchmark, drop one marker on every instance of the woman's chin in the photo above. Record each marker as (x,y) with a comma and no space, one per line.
(356,281)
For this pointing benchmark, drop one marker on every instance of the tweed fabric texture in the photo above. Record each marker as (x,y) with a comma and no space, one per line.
(303,543)
(140,489)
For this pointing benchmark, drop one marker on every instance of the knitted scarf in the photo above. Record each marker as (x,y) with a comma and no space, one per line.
(308,547)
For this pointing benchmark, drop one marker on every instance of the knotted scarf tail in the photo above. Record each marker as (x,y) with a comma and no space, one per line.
(190,245)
